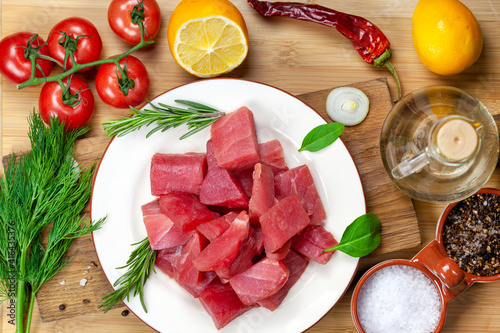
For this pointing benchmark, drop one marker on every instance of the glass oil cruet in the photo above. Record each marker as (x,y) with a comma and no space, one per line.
(439,144)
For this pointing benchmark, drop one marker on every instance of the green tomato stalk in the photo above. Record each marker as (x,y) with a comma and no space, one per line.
(137,15)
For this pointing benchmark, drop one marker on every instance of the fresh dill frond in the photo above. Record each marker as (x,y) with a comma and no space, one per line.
(196,116)
(40,189)
(139,267)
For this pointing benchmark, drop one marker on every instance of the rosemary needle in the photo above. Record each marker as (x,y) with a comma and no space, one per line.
(196,116)
(140,264)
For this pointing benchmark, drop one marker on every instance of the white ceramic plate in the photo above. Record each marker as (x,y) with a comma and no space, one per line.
(122,186)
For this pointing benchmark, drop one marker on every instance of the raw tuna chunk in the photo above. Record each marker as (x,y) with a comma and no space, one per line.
(281,253)
(162,233)
(206,279)
(246,179)
(296,266)
(260,281)
(222,251)
(312,241)
(299,181)
(271,154)
(262,192)
(220,187)
(283,221)
(177,173)
(213,229)
(167,260)
(222,303)
(242,261)
(185,210)
(187,274)
(259,242)
(235,140)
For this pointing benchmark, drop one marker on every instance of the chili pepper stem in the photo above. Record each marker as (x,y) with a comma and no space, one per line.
(395,75)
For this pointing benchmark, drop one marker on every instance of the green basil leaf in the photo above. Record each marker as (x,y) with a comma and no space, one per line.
(322,136)
(361,237)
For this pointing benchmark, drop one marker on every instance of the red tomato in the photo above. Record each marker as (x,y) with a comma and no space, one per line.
(107,86)
(121,23)
(88,49)
(50,103)
(13,64)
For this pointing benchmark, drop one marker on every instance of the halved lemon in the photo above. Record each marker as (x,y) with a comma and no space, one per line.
(207,38)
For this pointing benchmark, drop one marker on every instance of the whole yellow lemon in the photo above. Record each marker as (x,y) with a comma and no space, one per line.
(446,36)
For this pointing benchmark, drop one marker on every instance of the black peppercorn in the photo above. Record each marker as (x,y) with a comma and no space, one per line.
(125,313)
(62,307)
(471,234)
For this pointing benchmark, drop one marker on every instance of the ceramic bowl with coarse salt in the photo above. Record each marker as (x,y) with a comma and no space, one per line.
(412,295)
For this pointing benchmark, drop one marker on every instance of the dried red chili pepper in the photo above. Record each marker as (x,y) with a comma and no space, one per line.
(367,39)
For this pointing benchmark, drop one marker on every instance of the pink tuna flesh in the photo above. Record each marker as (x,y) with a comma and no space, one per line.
(187,274)
(222,303)
(283,221)
(299,181)
(296,266)
(235,140)
(260,281)
(220,187)
(185,210)
(177,173)
(213,229)
(312,241)
(162,233)
(271,154)
(222,251)
(262,192)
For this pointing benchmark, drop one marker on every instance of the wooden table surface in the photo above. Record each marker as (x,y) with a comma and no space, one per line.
(298,57)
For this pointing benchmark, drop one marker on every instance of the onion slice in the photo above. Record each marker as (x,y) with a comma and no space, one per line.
(347,105)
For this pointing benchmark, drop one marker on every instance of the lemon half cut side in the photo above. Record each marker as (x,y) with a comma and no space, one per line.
(210,46)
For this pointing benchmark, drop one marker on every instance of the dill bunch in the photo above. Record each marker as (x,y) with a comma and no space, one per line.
(44,189)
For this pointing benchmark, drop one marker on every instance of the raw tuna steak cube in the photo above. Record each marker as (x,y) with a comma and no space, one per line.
(312,241)
(220,187)
(283,221)
(222,303)
(300,181)
(167,260)
(259,242)
(235,140)
(213,229)
(281,253)
(187,274)
(262,192)
(206,279)
(222,251)
(242,261)
(185,210)
(246,179)
(260,281)
(162,233)
(177,173)
(271,154)
(296,265)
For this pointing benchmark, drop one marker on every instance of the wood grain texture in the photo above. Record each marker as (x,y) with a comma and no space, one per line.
(298,57)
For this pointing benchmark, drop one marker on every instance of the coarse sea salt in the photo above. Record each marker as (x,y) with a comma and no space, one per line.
(398,299)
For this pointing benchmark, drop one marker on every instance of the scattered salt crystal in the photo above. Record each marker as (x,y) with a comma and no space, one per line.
(62,283)
(88,267)
(83,282)
(399,298)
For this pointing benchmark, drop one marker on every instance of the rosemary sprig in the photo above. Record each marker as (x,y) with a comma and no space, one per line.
(43,189)
(196,116)
(139,267)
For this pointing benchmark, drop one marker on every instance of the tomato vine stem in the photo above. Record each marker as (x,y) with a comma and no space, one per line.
(33,81)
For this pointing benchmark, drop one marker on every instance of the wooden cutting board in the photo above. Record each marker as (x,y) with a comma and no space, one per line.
(81,285)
